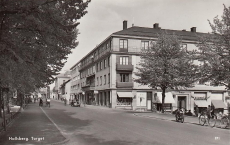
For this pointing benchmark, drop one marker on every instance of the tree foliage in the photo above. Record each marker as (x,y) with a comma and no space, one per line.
(166,64)
(215,51)
(36,36)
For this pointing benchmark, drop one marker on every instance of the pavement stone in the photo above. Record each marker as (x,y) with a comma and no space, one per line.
(32,126)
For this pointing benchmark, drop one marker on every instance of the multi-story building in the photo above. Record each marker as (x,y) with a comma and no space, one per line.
(105,75)
(59,80)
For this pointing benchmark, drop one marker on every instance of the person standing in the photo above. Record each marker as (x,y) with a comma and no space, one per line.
(65,101)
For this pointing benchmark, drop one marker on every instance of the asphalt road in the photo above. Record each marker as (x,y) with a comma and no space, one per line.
(98,126)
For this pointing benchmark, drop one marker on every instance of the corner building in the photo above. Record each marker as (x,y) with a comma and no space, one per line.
(106,74)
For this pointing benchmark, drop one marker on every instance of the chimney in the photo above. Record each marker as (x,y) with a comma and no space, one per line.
(156,25)
(193,29)
(124,24)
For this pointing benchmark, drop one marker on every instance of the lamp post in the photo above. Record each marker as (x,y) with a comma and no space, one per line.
(83,97)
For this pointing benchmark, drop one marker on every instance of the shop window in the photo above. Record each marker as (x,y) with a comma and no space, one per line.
(124,101)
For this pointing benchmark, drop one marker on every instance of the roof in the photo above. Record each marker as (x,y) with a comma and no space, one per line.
(153,32)
(147,32)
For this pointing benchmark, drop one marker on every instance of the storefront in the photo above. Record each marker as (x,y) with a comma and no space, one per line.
(169,100)
(218,106)
(124,99)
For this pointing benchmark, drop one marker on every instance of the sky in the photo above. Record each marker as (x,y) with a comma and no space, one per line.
(105,17)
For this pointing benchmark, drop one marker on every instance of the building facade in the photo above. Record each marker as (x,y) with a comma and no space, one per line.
(105,76)
(59,80)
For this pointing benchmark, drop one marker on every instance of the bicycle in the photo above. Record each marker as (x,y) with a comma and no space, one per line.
(203,119)
(224,121)
(48,104)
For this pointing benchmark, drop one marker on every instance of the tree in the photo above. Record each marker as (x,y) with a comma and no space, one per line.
(167,65)
(36,36)
(215,51)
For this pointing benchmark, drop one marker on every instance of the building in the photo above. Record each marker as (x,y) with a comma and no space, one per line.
(65,91)
(59,80)
(105,75)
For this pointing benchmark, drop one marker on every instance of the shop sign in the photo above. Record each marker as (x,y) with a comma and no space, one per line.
(200,98)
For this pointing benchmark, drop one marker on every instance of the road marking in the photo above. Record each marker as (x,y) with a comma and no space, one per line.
(53,122)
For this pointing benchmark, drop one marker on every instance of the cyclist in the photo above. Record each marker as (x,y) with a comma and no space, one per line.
(48,102)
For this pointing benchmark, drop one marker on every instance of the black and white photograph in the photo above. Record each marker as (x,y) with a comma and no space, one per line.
(114,72)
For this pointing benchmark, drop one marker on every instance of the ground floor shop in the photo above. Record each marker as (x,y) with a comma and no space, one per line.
(190,101)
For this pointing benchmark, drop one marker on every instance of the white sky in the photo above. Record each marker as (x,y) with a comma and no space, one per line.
(105,17)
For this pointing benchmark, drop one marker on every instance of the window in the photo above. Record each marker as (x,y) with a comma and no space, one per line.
(101,65)
(123,43)
(144,44)
(105,79)
(98,66)
(124,60)
(101,80)
(105,63)
(124,77)
(109,61)
(108,78)
(97,81)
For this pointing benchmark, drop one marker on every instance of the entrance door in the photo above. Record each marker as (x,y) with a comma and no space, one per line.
(181,103)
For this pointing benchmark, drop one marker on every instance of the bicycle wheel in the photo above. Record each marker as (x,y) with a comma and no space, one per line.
(202,120)
(212,121)
(224,122)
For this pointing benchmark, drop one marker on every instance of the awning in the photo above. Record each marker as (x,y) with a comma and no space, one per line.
(125,94)
(201,103)
(218,104)
(168,97)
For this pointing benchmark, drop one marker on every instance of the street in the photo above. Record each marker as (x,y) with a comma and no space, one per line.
(93,125)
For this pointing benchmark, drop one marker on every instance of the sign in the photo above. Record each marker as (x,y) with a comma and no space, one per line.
(200,98)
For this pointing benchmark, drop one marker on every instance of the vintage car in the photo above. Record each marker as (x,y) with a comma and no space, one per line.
(75,104)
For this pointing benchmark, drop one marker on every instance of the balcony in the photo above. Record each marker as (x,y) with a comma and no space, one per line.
(128,67)
(88,87)
(124,84)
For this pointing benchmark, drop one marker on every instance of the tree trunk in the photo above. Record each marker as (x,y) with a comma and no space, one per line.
(1,103)
(163,99)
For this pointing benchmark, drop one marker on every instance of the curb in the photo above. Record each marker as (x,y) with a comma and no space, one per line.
(193,123)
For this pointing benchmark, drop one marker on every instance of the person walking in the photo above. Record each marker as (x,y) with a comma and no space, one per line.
(65,101)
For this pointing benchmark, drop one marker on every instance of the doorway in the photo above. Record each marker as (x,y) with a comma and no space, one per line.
(181,102)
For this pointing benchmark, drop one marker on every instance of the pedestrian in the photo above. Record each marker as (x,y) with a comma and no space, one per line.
(196,110)
(65,101)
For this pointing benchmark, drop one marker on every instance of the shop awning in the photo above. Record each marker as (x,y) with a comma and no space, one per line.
(125,94)
(218,104)
(168,97)
(201,103)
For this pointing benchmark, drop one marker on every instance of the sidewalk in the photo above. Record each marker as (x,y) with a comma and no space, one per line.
(171,117)
(32,126)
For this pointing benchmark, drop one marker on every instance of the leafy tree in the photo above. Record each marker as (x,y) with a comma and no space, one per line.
(36,36)
(166,65)
(215,51)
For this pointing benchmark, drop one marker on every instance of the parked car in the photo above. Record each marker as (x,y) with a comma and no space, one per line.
(75,104)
